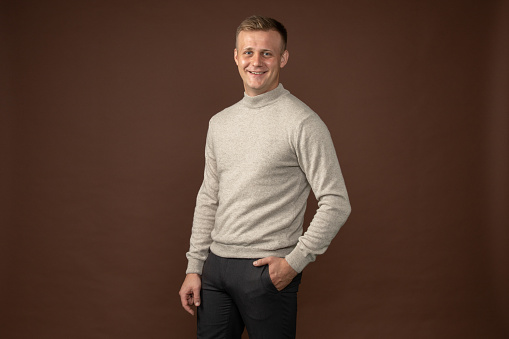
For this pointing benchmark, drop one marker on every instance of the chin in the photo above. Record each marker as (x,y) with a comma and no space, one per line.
(257,88)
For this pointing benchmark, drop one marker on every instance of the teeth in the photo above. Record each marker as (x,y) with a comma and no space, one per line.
(256,72)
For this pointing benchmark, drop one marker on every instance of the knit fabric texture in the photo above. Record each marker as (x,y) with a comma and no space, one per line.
(262,157)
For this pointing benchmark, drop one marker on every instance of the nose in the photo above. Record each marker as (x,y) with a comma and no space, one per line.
(257,59)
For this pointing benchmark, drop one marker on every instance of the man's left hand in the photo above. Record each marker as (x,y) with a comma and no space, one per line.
(281,273)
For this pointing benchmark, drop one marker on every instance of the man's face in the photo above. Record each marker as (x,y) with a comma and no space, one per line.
(259,59)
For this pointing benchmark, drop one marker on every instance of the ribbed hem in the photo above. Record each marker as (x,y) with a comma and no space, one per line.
(297,260)
(244,252)
(194,266)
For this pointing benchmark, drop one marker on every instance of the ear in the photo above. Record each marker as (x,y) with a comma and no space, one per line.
(235,55)
(284,59)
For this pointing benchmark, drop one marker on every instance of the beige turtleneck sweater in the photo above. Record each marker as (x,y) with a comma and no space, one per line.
(262,157)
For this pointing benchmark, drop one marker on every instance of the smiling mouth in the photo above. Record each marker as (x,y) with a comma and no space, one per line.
(256,73)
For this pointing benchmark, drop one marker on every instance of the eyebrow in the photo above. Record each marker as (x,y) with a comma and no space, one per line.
(262,50)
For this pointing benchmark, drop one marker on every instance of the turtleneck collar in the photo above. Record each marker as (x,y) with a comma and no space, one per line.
(265,98)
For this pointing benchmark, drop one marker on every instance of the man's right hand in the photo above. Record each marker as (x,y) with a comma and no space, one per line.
(190,292)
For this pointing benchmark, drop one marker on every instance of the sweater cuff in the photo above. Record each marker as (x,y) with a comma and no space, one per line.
(194,266)
(297,260)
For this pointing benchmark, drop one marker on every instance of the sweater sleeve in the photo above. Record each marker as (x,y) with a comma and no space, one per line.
(318,160)
(205,212)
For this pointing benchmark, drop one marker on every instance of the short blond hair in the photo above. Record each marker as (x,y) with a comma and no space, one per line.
(261,23)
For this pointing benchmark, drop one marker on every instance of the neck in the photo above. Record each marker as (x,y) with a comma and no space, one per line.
(253,93)
(264,99)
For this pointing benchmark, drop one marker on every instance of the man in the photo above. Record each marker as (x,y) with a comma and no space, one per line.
(262,157)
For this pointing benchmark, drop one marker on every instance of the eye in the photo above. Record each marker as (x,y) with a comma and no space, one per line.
(267,54)
(248,52)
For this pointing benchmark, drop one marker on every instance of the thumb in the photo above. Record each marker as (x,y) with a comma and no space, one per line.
(196,296)
(262,261)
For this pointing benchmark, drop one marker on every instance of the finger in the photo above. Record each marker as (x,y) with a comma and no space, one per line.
(189,309)
(262,261)
(185,303)
(196,295)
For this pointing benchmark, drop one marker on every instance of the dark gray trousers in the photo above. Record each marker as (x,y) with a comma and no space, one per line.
(235,294)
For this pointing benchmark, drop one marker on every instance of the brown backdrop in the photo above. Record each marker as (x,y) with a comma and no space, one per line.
(105,106)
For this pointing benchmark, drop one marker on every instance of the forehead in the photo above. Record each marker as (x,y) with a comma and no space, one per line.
(259,39)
